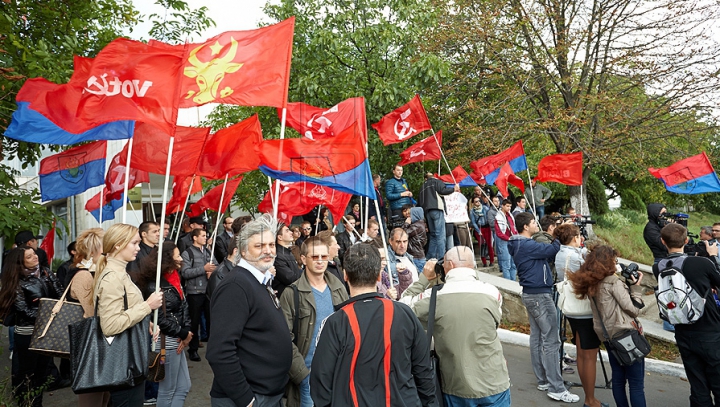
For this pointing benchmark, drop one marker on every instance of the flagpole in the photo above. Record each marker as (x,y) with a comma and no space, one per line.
(367,214)
(152,205)
(102,198)
(443,155)
(134,211)
(532,194)
(277,185)
(217,221)
(162,227)
(182,210)
(317,220)
(382,235)
(127,179)
(272,197)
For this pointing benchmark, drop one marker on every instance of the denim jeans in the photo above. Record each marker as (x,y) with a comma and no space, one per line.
(544,340)
(496,400)
(436,238)
(540,211)
(505,261)
(701,357)
(634,376)
(174,388)
(419,264)
(305,399)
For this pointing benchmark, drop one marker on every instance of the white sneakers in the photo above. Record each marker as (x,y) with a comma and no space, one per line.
(543,387)
(565,397)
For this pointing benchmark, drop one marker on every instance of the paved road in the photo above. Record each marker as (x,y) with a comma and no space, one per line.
(660,390)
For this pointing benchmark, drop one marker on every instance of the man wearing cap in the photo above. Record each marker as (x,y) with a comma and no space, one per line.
(29,239)
(185,241)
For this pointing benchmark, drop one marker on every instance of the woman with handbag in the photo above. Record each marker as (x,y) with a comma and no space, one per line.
(80,277)
(615,309)
(173,321)
(113,288)
(578,312)
(24,282)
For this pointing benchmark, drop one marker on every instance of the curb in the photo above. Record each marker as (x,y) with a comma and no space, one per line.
(651,365)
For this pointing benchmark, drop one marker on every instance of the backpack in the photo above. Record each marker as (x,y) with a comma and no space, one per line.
(678,302)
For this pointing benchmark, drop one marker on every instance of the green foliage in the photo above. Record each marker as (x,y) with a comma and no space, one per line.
(597,199)
(18,208)
(179,22)
(632,201)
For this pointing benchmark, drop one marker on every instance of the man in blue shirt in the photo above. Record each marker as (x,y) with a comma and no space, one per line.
(316,292)
(397,192)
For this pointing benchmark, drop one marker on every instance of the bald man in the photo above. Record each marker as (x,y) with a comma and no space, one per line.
(477,372)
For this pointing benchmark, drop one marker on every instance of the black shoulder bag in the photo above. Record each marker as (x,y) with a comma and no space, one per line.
(434,360)
(628,347)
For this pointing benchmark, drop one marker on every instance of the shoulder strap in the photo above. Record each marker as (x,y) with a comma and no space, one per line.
(431,313)
(296,317)
(605,332)
(567,260)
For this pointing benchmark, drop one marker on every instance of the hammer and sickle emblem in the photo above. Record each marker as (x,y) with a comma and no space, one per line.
(209,74)
(405,130)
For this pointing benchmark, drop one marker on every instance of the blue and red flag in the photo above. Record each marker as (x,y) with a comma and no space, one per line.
(489,167)
(73,171)
(461,177)
(693,175)
(31,126)
(109,209)
(339,162)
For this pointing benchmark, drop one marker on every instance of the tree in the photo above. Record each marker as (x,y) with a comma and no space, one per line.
(342,49)
(627,82)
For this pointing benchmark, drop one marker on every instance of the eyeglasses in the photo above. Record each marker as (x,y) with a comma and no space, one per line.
(273,296)
(319,257)
(306,228)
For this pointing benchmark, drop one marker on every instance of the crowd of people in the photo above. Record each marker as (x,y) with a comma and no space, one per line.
(327,313)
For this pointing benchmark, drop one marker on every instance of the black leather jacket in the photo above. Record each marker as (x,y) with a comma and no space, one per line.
(175,321)
(29,292)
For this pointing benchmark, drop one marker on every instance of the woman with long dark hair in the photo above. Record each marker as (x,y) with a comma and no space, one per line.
(24,282)
(121,245)
(568,261)
(618,306)
(173,321)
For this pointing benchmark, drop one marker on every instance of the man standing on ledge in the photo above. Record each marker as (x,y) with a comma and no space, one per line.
(252,353)
(397,192)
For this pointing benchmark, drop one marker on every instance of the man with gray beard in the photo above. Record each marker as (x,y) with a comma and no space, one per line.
(251,356)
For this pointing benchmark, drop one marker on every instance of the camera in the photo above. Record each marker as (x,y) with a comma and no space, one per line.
(630,272)
(440,270)
(679,218)
(581,221)
(396,221)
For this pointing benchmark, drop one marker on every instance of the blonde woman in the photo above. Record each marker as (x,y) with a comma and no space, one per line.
(121,244)
(88,248)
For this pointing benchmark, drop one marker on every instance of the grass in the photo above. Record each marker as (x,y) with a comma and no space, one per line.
(623,230)
(661,350)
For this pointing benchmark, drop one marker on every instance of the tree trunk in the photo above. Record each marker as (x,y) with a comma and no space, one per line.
(579,201)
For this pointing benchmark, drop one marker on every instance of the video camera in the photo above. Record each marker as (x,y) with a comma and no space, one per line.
(679,218)
(440,270)
(581,221)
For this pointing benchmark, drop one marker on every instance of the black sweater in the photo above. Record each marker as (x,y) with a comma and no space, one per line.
(252,353)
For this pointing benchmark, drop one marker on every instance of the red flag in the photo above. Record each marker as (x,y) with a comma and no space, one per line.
(48,243)
(459,173)
(150,149)
(128,80)
(489,167)
(477,177)
(317,123)
(505,176)
(427,149)
(248,68)
(403,122)
(180,188)
(115,179)
(562,168)
(231,150)
(299,198)
(211,200)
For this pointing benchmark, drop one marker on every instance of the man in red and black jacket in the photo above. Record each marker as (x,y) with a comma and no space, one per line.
(365,332)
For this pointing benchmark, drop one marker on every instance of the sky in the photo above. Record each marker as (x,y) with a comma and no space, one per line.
(228,16)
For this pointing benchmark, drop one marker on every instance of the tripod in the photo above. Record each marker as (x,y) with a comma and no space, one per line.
(563,338)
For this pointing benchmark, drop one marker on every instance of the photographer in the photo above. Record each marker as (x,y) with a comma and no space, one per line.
(698,341)
(651,233)
(615,306)
(473,373)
